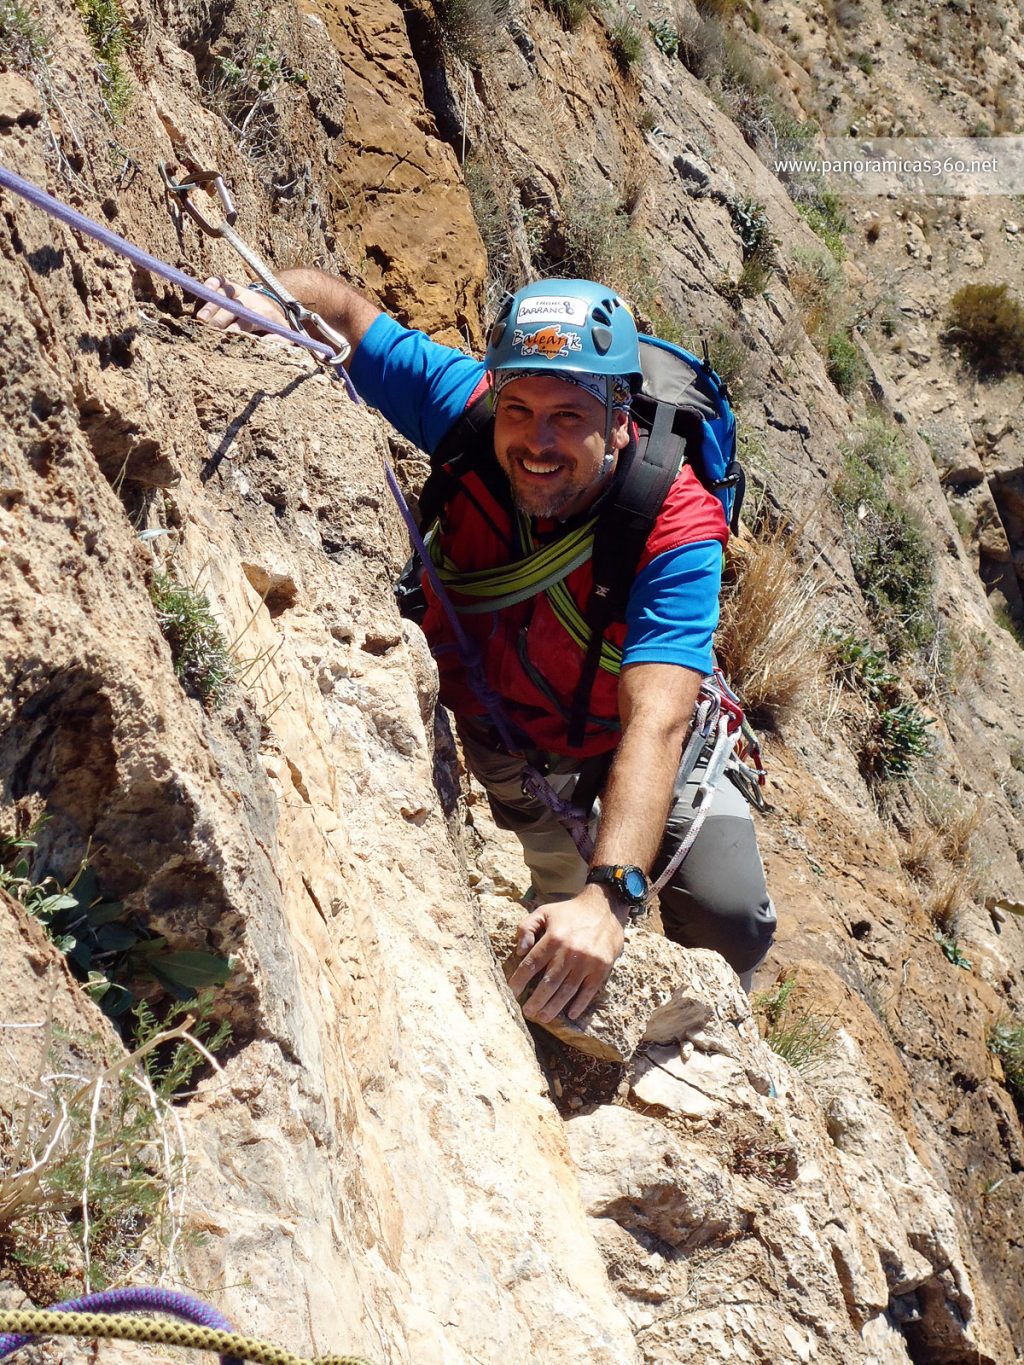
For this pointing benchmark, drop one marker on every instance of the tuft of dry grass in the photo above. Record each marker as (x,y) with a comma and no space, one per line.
(956,827)
(944,904)
(919,856)
(769,638)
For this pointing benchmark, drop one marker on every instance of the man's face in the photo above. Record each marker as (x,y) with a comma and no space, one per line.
(549,440)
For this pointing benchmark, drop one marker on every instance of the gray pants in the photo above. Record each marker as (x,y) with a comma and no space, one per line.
(716,899)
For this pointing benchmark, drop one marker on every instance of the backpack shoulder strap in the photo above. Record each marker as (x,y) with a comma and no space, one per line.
(619,541)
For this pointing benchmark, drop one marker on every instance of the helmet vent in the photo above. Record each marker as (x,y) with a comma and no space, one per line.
(602,315)
(497,332)
(602,338)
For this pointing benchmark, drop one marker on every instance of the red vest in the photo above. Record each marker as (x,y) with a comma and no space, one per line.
(529,658)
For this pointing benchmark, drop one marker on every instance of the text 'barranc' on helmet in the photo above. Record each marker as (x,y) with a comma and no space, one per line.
(569,325)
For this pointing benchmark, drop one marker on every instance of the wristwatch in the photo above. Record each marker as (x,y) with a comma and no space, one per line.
(629,883)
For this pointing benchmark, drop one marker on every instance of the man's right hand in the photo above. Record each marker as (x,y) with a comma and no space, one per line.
(224,321)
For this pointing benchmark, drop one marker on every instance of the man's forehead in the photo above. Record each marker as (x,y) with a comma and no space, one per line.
(548,388)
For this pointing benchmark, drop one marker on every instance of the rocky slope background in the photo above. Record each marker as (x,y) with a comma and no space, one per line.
(210,702)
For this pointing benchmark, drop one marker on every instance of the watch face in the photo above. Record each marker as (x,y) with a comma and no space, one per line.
(634,883)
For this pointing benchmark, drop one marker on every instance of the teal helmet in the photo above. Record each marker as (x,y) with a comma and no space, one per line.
(573,326)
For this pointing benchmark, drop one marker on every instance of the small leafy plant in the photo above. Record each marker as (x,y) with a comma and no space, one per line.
(824,215)
(751,225)
(105,945)
(202,658)
(1006,1041)
(954,953)
(665,36)
(897,735)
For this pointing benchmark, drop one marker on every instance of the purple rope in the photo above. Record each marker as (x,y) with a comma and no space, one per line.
(41,200)
(133,1301)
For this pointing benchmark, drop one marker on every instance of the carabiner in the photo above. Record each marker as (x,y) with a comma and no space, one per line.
(201,180)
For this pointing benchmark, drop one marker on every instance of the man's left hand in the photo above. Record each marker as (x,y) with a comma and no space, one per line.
(573,944)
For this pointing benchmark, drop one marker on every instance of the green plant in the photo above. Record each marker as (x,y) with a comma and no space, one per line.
(627,43)
(24,43)
(109,38)
(862,666)
(665,36)
(900,737)
(570,13)
(824,215)
(199,648)
(879,443)
(799,1036)
(897,733)
(731,357)
(751,225)
(864,62)
(105,945)
(986,323)
(891,558)
(750,284)
(844,363)
(952,950)
(1006,1041)
(93,1161)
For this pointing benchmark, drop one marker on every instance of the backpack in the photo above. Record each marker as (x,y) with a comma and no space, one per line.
(682,414)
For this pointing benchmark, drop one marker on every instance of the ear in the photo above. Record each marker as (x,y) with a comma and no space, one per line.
(620,431)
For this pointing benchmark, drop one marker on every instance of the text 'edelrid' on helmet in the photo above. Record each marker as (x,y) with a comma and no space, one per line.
(568,325)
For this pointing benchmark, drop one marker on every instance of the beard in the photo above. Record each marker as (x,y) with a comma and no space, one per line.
(529,492)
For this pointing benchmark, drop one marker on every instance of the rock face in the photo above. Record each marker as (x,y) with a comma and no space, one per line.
(381,1166)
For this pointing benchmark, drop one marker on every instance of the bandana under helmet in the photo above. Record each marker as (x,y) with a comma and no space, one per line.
(614,391)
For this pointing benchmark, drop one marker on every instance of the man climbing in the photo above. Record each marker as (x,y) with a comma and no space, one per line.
(534,441)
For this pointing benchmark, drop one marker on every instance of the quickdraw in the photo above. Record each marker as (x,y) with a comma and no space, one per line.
(178,194)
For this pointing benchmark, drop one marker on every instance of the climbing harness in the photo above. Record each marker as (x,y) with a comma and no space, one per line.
(332,350)
(97,1315)
(302,319)
(722,737)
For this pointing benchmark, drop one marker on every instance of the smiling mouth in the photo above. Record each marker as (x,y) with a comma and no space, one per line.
(539,467)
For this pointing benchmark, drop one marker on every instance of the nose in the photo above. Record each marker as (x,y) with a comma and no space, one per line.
(539,435)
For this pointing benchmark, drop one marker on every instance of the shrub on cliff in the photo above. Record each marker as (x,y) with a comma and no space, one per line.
(1006,1041)
(199,648)
(24,44)
(986,323)
(891,558)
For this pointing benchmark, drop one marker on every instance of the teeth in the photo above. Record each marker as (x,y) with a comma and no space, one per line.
(532,468)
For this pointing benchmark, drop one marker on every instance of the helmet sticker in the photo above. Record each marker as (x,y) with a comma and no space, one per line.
(550,342)
(552,308)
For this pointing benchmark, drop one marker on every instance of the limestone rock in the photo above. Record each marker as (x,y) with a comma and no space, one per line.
(633,1170)
(656,988)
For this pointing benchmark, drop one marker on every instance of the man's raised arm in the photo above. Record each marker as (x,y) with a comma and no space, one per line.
(337,303)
